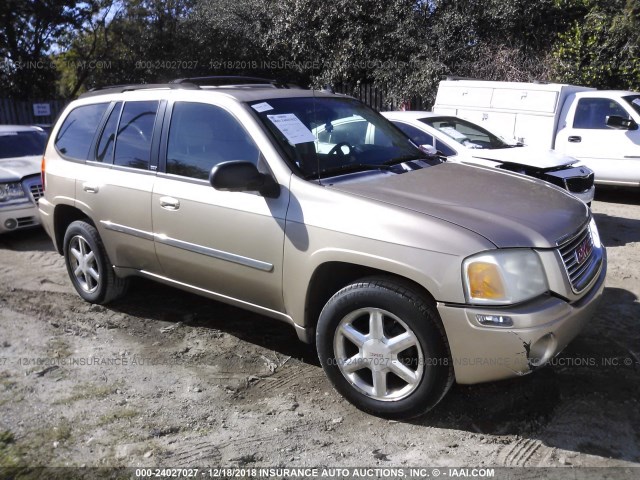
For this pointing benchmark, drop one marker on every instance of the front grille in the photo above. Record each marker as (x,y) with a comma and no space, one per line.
(36,192)
(580,184)
(581,259)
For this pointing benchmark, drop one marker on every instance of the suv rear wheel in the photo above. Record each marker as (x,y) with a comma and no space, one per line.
(383,347)
(88,265)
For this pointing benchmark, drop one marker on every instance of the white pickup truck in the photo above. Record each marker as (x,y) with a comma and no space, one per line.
(598,127)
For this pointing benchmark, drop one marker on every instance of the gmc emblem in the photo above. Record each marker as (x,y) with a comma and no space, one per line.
(582,251)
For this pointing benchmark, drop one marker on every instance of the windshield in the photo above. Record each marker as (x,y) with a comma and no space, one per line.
(329,136)
(22,144)
(634,101)
(466,133)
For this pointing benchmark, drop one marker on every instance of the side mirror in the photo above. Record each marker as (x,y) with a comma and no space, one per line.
(238,176)
(620,123)
(429,150)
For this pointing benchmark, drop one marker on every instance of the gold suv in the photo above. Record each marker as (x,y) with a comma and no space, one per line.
(311,208)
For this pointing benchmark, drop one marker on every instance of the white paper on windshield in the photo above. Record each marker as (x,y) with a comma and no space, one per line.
(636,101)
(292,128)
(262,107)
(453,133)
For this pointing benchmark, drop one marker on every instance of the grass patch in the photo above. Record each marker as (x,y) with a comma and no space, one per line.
(86,391)
(10,454)
(57,347)
(120,414)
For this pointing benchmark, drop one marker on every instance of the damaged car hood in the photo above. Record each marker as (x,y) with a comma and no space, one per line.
(15,169)
(527,156)
(510,210)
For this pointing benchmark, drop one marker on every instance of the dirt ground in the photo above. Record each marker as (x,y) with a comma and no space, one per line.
(165,378)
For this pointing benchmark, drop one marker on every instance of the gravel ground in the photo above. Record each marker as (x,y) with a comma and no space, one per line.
(165,378)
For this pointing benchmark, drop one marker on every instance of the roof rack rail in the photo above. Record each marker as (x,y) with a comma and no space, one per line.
(230,81)
(132,87)
(454,77)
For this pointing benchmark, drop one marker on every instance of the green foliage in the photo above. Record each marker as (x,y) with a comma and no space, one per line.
(602,49)
(402,46)
(28,29)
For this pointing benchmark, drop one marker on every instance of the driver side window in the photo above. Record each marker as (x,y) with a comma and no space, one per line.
(592,113)
(202,136)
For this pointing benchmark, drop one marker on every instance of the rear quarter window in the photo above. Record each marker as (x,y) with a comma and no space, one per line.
(78,129)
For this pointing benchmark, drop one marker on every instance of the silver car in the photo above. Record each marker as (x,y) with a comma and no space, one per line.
(407,273)
(21,149)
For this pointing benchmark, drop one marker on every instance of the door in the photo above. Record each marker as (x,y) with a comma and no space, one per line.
(115,185)
(614,155)
(229,243)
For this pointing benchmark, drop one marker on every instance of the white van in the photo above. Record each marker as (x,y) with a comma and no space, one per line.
(598,127)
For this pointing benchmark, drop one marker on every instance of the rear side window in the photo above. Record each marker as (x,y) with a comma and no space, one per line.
(107,141)
(202,136)
(78,129)
(135,132)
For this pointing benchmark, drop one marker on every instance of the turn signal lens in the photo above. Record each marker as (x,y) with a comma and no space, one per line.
(485,281)
(503,277)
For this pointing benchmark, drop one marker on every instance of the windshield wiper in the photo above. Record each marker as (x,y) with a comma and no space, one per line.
(404,158)
(348,168)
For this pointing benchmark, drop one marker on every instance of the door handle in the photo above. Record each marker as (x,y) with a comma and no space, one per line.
(575,139)
(169,203)
(90,188)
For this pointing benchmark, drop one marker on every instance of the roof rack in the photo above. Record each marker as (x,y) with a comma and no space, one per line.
(454,77)
(231,81)
(132,87)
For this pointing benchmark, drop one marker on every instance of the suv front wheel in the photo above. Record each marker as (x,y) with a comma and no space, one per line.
(88,265)
(384,349)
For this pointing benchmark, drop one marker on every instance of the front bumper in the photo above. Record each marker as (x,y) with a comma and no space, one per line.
(22,216)
(586,197)
(541,330)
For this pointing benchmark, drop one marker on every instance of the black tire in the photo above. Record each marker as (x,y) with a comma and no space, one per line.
(82,238)
(354,308)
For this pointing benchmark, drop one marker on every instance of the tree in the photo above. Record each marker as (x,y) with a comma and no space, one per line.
(602,49)
(28,29)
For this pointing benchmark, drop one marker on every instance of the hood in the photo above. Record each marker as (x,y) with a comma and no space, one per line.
(507,209)
(14,169)
(528,156)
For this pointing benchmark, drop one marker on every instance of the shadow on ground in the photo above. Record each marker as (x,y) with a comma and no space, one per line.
(27,241)
(585,402)
(629,196)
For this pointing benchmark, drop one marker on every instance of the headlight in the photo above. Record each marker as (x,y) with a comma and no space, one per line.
(11,193)
(503,277)
(595,236)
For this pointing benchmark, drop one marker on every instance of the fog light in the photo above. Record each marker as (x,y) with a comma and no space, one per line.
(542,350)
(495,320)
(10,223)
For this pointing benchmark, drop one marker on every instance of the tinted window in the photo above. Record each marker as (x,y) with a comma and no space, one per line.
(76,133)
(634,101)
(353,132)
(418,136)
(444,149)
(201,136)
(135,131)
(465,133)
(22,144)
(107,141)
(592,113)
